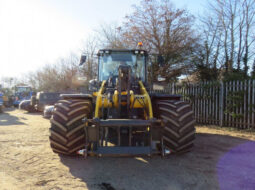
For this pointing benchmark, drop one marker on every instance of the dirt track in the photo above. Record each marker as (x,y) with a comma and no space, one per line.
(220,160)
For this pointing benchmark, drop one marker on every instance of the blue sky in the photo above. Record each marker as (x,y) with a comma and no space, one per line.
(37,32)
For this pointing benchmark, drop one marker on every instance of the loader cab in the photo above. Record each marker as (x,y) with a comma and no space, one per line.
(111,60)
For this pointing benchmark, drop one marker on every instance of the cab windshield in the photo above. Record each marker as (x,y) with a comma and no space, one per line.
(109,64)
(21,89)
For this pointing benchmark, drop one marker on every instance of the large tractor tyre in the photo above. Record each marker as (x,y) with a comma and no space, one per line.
(30,109)
(179,131)
(67,134)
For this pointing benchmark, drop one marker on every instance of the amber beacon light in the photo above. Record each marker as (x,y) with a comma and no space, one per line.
(140,44)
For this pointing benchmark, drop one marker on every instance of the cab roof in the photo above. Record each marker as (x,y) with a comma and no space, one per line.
(123,50)
(23,86)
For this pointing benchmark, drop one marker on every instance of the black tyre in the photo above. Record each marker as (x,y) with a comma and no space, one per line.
(67,134)
(31,109)
(179,131)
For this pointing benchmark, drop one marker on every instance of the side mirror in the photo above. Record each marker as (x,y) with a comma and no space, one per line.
(83,60)
(93,84)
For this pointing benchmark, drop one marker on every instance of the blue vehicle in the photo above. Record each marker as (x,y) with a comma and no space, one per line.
(22,93)
(1,102)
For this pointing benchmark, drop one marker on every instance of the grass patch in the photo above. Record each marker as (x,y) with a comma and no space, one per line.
(229,129)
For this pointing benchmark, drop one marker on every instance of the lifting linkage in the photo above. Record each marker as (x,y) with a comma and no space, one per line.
(94,126)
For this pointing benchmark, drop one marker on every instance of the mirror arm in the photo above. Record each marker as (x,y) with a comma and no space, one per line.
(82,60)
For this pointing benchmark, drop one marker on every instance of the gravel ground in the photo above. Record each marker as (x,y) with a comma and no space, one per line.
(220,159)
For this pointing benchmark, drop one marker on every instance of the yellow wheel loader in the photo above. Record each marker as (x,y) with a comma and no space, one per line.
(121,117)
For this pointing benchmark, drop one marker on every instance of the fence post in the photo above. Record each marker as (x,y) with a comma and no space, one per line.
(221,96)
(249,104)
(253,104)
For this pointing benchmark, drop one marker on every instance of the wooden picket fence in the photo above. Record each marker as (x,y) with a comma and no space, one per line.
(230,104)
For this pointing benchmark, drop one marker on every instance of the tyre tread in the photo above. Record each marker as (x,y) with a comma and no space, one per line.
(179,130)
(67,133)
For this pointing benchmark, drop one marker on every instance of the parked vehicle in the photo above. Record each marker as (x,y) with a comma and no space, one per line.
(22,93)
(48,110)
(7,101)
(1,102)
(44,99)
(39,101)
(26,105)
(122,112)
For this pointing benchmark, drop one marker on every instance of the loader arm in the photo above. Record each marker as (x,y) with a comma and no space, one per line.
(136,100)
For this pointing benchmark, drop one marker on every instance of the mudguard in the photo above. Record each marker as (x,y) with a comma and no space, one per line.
(165,96)
(76,96)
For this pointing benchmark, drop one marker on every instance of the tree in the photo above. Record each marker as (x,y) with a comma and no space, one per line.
(110,36)
(253,70)
(59,77)
(229,36)
(65,75)
(249,13)
(8,82)
(164,30)
(208,53)
(89,69)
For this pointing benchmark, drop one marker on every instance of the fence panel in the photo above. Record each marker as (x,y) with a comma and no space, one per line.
(229,104)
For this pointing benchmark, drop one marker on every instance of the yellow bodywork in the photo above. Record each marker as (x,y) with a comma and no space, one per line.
(5,98)
(136,101)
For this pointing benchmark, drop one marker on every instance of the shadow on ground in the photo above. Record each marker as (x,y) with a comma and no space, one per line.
(32,113)
(8,119)
(199,169)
